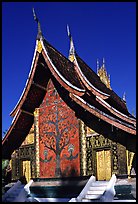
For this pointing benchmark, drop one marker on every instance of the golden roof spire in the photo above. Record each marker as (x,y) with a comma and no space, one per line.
(102,73)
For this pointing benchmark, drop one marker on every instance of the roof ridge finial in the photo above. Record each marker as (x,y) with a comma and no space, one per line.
(68,31)
(39,35)
(124,97)
(72,48)
(97,64)
(133,112)
(109,77)
(103,62)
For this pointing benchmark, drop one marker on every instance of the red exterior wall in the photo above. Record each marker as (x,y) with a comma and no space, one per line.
(59,137)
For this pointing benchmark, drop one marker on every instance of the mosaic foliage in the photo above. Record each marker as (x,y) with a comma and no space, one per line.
(59,137)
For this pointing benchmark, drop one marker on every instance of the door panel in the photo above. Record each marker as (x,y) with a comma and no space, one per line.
(100,165)
(103,165)
(107,159)
(27,170)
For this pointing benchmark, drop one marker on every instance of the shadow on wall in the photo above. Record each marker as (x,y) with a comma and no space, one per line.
(69,172)
(23,180)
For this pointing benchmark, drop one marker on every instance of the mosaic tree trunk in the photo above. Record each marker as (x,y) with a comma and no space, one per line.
(59,137)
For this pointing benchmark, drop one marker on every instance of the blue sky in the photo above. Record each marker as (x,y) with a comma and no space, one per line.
(99,29)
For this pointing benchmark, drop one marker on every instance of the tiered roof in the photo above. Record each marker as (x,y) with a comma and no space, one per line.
(82,84)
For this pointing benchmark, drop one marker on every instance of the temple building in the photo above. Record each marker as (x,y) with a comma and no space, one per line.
(68,120)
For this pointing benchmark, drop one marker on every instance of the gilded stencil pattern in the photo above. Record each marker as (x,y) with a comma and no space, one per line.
(15,165)
(89,156)
(29,139)
(114,157)
(97,143)
(36,125)
(100,141)
(83,148)
(27,151)
(103,158)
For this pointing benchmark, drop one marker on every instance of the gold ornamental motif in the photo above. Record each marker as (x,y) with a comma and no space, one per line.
(29,139)
(71,58)
(36,124)
(104,77)
(129,156)
(83,148)
(39,47)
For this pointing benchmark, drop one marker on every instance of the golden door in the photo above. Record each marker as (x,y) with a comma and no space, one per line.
(103,165)
(27,170)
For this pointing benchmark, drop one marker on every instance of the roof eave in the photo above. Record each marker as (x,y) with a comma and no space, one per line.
(87,83)
(101,115)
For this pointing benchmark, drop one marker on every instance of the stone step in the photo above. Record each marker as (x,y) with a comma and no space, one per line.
(100,182)
(94,196)
(86,200)
(124,201)
(96,183)
(97,188)
(98,192)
